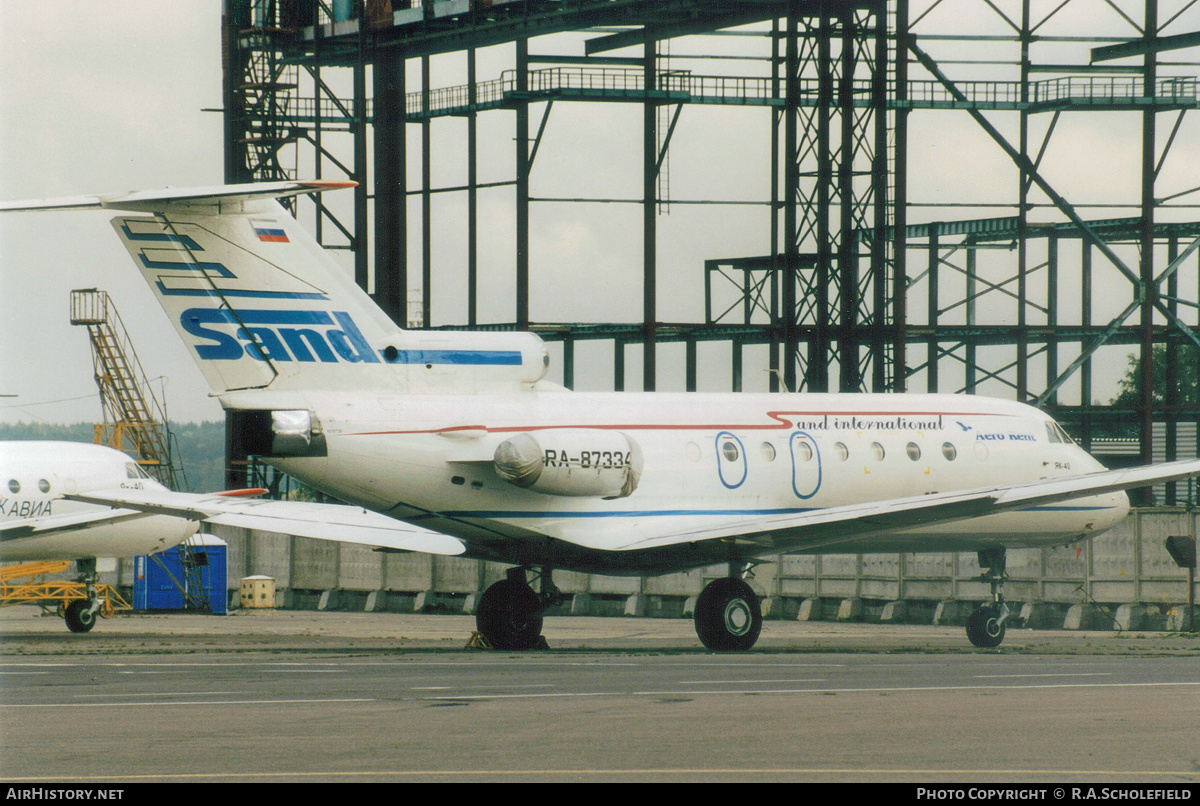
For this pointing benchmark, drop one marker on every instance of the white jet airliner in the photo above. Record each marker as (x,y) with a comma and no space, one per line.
(461,435)
(56,504)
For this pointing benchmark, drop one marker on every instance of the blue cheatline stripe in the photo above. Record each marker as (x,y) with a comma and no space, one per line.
(462,357)
(186,241)
(1049,508)
(206,292)
(620,513)
(174,265)
(675,513)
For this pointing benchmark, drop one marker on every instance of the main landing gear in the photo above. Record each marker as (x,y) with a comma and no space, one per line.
(509,615)
(728,615)
(987,625)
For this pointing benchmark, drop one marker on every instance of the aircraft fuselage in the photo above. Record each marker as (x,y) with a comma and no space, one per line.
(41,525)
(704,458)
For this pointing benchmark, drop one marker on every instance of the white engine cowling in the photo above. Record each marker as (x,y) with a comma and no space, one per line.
(584,462)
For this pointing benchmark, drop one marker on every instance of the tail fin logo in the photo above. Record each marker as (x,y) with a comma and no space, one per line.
(181,262)
(306,336)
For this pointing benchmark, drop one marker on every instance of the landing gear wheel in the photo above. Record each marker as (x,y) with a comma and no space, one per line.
(728,615)
(79,616)
(508,617)
(985,629)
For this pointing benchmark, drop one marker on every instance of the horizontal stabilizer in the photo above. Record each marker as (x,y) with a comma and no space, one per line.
(211,200)
(337,522)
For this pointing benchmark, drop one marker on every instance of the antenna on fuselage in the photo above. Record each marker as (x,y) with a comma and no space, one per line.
(779,376)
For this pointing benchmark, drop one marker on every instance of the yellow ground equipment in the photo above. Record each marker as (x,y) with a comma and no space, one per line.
(69,595)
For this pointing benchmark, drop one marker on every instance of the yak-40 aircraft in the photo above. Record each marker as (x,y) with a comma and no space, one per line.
(461,436)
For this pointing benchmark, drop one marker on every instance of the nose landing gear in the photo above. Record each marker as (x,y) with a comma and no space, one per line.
(80,614)
(987,625)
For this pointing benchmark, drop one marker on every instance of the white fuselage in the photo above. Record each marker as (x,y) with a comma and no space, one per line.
(40,525)
(705,458)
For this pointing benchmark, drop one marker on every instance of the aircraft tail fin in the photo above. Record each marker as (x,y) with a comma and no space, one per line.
(251,293)
(261,305)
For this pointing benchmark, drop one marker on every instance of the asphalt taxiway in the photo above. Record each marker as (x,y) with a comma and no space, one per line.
(302,696)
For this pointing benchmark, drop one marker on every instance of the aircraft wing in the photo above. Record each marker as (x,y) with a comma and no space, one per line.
(841,527)
(337,522)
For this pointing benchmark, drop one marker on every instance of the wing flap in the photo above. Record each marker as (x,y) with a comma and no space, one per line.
(337,522)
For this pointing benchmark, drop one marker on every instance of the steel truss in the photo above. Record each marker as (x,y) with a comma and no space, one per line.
(847,294)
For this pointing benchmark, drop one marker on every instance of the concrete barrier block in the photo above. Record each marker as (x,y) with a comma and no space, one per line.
(894,613)
(810,610)
(1086,617)
(423,600)
(635,605)
(1177,618)
(581,604)
(1040,616)
(1132,616)
(850,610)
(952,611)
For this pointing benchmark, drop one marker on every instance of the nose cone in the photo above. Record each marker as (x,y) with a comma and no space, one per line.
(1115,508)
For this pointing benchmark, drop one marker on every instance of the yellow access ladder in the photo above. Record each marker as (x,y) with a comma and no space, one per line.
(134,418)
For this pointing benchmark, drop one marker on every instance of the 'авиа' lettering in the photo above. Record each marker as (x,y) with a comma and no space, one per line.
(24,508)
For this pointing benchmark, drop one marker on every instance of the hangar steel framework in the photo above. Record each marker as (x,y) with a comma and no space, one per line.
(958,195)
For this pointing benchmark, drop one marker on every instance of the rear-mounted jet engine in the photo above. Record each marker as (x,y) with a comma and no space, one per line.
(589,463)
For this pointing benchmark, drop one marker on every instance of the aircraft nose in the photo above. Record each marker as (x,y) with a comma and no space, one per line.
(1118,508)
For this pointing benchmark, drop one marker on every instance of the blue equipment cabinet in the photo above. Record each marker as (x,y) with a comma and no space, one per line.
(157,588)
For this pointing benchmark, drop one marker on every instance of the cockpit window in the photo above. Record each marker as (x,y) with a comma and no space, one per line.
(134,471)
(1055,433)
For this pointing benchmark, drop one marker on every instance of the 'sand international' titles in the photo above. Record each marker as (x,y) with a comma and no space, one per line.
(861,422)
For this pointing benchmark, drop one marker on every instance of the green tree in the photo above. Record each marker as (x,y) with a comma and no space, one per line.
(1186,378)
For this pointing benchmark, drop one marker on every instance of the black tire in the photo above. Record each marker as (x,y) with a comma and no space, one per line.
(984,628)
(507,616)
(728,615)
(79,616)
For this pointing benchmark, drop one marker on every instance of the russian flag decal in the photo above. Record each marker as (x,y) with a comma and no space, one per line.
(269,231)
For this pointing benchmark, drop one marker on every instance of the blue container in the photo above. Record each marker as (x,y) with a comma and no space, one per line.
(156,588)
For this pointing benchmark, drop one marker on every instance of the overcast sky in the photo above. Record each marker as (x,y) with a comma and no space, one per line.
(106,95)
(96,97)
